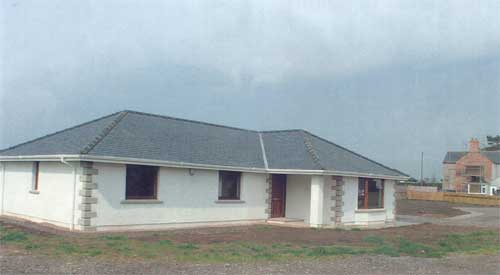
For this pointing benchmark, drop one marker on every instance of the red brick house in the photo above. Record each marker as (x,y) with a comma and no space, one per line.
(474,171)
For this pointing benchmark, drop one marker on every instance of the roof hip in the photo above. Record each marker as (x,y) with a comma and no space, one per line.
(104,133)
(312,152)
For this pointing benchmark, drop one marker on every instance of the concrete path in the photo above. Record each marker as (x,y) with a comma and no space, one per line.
(478,216)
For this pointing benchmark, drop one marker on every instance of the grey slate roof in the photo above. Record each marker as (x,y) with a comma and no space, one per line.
(453,157)
(131,134)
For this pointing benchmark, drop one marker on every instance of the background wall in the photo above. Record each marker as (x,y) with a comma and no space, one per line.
(186,198)
(53,203)
(449,172)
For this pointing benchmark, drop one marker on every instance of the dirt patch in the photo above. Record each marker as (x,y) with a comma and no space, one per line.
(426,233)
(434,209)
(365,264)
(262,233)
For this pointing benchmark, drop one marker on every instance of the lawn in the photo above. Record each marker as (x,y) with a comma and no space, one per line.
(224,245)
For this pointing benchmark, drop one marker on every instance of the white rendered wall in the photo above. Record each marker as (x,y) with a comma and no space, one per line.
(319,191)
(54,201)
(298,195)
(354,216)
(350,199)
(389,201)
(185,199)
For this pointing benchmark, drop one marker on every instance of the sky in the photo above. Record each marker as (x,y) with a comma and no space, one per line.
(387,79)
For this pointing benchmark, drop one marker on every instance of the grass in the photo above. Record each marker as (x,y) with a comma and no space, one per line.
(479,242)
(374,239)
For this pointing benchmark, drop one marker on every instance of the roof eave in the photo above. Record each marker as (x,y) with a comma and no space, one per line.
(66,157)
(122,160)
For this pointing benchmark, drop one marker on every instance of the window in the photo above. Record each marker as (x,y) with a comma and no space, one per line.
(475,179)
(483,189)
(370,193)
(229,185)
(36,168)
(141,182)
(473,170)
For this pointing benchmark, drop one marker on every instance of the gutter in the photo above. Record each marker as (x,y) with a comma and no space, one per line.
(107,159)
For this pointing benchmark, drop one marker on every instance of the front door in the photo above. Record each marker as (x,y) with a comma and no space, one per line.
(278,192)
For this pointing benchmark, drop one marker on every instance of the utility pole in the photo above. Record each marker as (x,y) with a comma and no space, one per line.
(422,169)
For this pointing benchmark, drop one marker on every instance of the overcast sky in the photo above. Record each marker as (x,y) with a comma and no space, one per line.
(387,79)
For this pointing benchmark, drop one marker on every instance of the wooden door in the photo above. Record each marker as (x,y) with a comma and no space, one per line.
(278,196)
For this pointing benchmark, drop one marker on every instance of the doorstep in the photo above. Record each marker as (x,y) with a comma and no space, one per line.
(287,222)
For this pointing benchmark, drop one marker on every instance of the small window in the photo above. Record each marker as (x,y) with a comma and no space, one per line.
(36,168)
(475,179)
(141,182)
(370,193)
(229,185)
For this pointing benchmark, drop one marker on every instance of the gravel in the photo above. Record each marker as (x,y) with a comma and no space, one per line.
(457,264)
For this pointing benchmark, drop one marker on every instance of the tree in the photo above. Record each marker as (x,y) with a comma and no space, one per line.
(493,143)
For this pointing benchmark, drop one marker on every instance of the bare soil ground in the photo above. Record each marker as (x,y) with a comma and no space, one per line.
(435,209)
(263,234)
(456,264)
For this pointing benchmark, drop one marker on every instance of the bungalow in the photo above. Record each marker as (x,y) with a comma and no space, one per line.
(132,171)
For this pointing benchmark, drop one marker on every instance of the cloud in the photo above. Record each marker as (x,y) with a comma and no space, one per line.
(258,39)
(398,74)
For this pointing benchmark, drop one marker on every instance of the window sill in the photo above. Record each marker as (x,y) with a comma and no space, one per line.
(35,192)
(229,201)
(141,202)
(370,210)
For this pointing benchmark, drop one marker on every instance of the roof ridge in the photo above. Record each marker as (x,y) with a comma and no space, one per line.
(58,132)
(104,133)
(189,120)
(285,130)
(357,154)
(312,152)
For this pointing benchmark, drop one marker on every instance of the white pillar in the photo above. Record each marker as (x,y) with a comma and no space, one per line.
(317,200)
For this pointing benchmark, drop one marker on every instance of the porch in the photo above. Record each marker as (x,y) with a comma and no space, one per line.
(302,200)
(330,201)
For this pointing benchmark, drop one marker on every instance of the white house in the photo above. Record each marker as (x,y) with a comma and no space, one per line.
(132,170)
